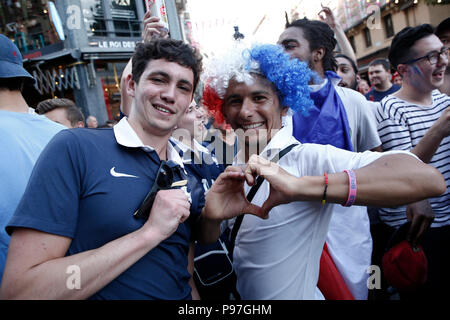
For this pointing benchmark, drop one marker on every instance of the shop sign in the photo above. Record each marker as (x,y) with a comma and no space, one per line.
(114,44)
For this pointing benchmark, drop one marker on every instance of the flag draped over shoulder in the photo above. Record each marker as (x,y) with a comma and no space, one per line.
(327,121)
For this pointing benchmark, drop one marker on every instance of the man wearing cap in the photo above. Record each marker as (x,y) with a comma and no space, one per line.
(22,136)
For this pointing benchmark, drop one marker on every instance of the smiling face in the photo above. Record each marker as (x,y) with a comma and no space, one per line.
(161,96)
(255,110)
(423,75)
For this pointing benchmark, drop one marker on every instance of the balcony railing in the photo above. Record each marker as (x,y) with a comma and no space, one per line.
(117,27)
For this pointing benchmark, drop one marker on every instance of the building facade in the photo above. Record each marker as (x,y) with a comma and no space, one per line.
(370,25)
(77,49)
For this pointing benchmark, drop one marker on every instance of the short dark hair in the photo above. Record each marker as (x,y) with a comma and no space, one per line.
(400,50)
(442,27)
(319,35)
(198,93)
(381,62)
(74,114)
(12,84)
(170,49)
(353,63)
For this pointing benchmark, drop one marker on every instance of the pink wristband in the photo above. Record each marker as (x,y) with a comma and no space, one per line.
(351,188)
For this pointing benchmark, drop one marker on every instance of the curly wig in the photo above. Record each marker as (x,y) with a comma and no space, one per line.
(289,76)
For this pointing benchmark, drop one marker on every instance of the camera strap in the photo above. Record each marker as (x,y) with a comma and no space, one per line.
(251,194)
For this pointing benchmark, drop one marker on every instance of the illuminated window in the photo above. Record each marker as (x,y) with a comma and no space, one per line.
(28,24)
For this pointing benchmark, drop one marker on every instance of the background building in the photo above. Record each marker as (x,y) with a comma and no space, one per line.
(77,49)
(371,24)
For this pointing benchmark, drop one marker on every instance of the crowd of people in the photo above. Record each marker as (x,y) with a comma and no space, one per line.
(270,171)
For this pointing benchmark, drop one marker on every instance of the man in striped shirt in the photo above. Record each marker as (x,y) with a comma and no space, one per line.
(417,118)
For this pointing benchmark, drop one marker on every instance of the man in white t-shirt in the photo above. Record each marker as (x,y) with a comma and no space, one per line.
(349,244)
(278,257)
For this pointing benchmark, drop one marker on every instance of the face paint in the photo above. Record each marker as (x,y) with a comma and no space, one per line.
(417,79)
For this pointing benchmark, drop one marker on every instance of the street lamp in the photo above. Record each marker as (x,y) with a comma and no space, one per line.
(237,35)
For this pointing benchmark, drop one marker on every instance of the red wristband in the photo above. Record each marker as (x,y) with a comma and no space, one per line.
(351,188)
(324,197)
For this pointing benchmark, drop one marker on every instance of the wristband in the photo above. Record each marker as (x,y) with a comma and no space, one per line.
(351,188)
(324,197)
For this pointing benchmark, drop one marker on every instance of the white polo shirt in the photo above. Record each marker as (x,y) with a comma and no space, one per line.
(279,258)
(127,137)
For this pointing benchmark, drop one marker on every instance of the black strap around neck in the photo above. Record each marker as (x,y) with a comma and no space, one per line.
(251,194)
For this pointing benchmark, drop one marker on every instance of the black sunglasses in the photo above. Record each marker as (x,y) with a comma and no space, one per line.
(433,57)
(164,180)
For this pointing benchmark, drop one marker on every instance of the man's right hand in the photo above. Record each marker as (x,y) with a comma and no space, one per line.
(226,198)
(169,210)
(152,28)
(329,18)
(421,216)
(442,125)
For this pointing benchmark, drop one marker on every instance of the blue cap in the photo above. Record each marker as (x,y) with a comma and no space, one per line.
(11,65)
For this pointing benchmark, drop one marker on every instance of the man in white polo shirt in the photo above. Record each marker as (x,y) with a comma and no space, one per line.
(278,257)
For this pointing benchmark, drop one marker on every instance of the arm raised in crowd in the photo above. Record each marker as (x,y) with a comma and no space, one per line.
(341,38)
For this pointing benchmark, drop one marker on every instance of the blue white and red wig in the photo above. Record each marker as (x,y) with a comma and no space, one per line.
(290,76)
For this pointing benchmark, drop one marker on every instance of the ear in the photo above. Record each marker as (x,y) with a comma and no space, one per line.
(284,111)
(318,54)
(130,85)
(358,78)
(402,70)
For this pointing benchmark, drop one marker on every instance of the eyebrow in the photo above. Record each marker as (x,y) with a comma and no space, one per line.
(253,93)
(436,50)
(233,96)
(344,64)
(167,76)
(289,40)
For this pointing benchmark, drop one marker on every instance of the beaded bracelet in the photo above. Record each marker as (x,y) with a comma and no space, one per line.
(324,197)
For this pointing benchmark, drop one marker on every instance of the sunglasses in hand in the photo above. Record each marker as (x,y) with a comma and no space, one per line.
(164,181)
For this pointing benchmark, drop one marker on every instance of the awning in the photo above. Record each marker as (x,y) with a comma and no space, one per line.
(107,55)
(58,54)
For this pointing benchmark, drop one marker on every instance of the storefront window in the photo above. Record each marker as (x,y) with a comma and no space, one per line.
(109,74)
(125,18)
(111,18)
(94,17)
(28,24)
